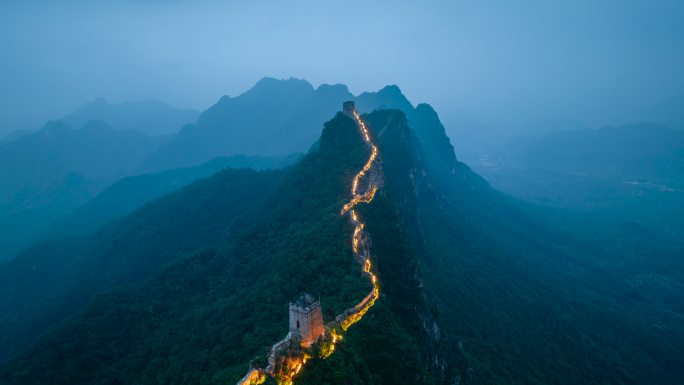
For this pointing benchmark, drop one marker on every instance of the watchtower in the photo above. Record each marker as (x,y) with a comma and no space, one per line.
(348,108)
(306,319)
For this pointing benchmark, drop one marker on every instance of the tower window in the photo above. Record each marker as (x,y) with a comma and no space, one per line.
(297,324)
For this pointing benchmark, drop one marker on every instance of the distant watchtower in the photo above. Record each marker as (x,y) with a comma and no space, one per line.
(306,319)
(348,108)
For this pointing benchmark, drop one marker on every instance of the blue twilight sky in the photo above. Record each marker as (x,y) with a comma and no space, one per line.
(599,61)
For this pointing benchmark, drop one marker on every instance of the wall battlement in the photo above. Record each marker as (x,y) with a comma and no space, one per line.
(306,319)
(348,108)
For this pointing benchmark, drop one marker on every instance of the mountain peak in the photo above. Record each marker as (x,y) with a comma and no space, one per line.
(426,109)
(333,89)
(269,83)
(388,97)
(150,116)
(391,89)
(54,127)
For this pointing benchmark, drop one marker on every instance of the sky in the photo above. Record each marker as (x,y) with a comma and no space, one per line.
(603,62)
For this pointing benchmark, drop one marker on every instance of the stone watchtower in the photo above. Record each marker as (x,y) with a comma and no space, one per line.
(348,108)
(306,319)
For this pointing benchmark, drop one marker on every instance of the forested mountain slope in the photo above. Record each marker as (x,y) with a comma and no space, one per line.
(492,289)
(129,193)
(228,262)
(52,280)
(476,288)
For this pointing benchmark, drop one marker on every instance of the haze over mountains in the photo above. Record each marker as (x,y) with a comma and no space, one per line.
(625,150)
(275,118)
(477,288)
(48,173)
(512,215)
(152,117)
(633,171)
(611,166)
(288,114)
(295,111)
(144,260)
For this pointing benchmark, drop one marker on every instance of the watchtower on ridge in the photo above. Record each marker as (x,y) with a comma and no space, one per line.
(348,108)
(306,319)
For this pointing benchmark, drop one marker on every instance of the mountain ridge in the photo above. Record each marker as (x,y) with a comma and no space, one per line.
(477,287)
(275,214)
(149,116)
(286,120)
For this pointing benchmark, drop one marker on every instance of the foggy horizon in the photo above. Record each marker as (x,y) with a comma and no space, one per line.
(601,64)
(495,196)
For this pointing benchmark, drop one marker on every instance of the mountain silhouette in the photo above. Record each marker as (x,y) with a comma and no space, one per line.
(476,287)
(46,174)
(151,117)
(274,117)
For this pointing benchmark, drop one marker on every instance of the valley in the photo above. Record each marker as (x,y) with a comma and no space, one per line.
(190,284)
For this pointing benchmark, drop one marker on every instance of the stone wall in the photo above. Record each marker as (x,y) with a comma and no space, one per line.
(306,322)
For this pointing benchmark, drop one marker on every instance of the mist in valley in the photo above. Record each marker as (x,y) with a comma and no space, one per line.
(173,173)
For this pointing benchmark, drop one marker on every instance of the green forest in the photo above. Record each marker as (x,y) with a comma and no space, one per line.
(476,287)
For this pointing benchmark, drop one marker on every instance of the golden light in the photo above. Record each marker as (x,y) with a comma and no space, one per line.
(293,365)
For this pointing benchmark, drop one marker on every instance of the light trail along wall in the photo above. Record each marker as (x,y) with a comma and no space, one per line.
(288,356)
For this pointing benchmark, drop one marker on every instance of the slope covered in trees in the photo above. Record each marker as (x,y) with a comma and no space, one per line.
(493,290)
(476,288)
(273,117)
(233,285)
(129,193)
(51,280)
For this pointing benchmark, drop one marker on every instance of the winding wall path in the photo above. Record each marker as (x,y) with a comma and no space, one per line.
(364,187)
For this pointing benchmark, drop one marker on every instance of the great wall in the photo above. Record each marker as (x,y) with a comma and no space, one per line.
(287,357)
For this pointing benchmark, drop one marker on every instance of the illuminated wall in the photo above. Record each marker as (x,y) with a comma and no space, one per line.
(306,319)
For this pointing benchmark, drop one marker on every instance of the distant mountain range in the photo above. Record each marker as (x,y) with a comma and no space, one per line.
(476,287)
(76,205)
(171,259)
(275,117)
(47,174)
(101,143)
(105,141)
(96,150)
(151,117)
(593,168)
(130,193)
(13,136)
(628,150)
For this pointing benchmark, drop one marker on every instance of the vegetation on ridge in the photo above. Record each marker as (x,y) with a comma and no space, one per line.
(205,315)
